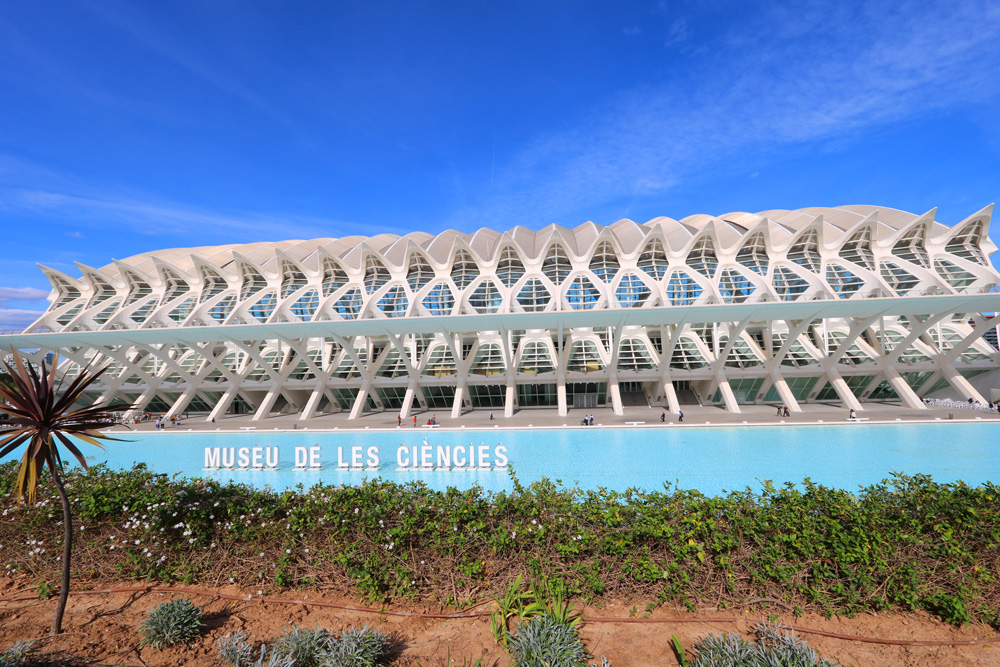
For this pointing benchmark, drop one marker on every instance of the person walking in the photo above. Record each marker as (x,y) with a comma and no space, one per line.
(399,420)
(663,417)
(414,421)
(680,415)
(491,415)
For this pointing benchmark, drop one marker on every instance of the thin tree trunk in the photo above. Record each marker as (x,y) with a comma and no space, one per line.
(67,550)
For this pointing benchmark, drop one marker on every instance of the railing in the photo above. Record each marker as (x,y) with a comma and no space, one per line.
(705,299)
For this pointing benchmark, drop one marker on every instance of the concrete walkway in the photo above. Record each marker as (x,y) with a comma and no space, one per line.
(545,417)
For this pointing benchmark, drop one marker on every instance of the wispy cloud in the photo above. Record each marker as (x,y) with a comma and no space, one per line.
(792,76)
(158,39)
(151,215)
(16,319)
(21,294)
(12,319)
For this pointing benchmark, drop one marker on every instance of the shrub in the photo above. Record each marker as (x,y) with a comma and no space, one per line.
(236,649)
(906,544)
(774,649)
(545,642)
(171,623)
(17,655)
(365,647)
(309,648)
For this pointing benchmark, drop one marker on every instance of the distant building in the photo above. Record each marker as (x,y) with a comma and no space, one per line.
(846,305)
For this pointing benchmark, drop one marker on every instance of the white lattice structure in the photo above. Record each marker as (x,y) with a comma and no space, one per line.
(847,304)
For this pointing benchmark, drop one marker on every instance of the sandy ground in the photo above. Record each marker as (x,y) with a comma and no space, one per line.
(101,628)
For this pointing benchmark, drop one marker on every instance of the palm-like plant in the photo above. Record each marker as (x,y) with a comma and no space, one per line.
(43,417)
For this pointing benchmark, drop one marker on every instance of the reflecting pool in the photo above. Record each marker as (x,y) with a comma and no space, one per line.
(709,459)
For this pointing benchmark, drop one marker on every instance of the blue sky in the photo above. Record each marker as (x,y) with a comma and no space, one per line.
(129,127)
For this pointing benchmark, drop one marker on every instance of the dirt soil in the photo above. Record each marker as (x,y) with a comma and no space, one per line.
(102,629)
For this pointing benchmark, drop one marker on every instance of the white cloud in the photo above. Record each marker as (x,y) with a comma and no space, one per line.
(151,215)
(13,319)
(807,75)
(22,294)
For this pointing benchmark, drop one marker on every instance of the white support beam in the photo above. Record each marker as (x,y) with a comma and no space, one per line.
(404,409)
(360,401)
(962,386)
(457,404)
(672,403)
(903,390)
(847,397)
(223,404)
(561,397)
(309,411)
(508,406)
(616,397)
(265,406)
(729,397)
(787,397)
(182,401)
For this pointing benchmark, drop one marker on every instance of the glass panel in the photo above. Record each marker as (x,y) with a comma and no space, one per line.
(440,300)
(291,279)
(631,291)
(534,297)
(509,268)
(653,259)
(305,306)
(556,266)
(394,302)
(584,357)
(464,269)
(682,289)
(334,277)
(420,272)
(805,251)
(604,263)
(486,298)
(753,254)
(581,294)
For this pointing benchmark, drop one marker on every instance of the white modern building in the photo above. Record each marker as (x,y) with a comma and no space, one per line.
(848,305)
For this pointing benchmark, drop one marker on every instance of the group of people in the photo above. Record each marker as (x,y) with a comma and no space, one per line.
(663,416)
(588,420)
(161,422)
(783,411)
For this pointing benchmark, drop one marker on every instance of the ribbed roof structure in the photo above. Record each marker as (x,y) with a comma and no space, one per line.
(848,304)
(773,255)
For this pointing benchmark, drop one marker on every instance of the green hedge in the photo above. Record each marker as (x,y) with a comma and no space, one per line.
(908,543)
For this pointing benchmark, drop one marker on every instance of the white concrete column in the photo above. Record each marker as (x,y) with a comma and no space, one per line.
(456,405)
(144,399)
(404,409)
(962,386)
(616,397)
(561,397)
(223,404)
(311,404)
(903,390)
(728,397)
(786,394)
(265,406)
(508,406)
(672,403)
(182,401)
(847,397)
(359,402)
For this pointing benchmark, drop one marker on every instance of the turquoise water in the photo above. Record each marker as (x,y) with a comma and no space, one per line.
(711,460)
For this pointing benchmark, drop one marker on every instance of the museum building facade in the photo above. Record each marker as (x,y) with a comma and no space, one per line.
(848,305)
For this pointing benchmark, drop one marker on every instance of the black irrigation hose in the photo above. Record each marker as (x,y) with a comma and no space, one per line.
(478,614)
